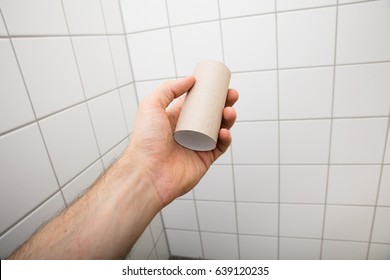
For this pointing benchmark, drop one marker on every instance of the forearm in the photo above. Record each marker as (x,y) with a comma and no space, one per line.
(104,223)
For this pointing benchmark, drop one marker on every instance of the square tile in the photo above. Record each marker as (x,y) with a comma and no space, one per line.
(50,72)
(341,250)
(306,38)
(255,143)
(379,252)
(305,93)
(358,140)
(384,191)
(216,216)
(180,214)
(112,16)
(95,63)
(184,243)
(121,59)
(217,184)
(151,60)
(130,104)
(301,220)
(108,120)
(250,43)
(82,182)
(283,5)
(348,222)
(362,32)
(40,17)
(263,221)
(195,43)
(304,141)
(219,246)
(23,152)
(303,183)
(381,230)
(256,183)
(115,153)
(84,17)
(233,8)
(138,15)
(258,247)
(299,249)
(69,135)
(162,248)
(258,95)
(353,184)
(362,90)
(181,12)
(24,229)
(15,107)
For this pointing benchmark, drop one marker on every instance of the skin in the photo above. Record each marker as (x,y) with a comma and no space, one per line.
(109,218)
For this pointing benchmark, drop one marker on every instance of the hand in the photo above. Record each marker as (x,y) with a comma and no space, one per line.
(173,169)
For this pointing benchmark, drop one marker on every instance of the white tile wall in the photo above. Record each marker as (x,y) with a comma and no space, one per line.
(84,17)
(15,106)
(258,95)
(23,150)
(69,135)
(195,43)
(151,60)
(362,90)
(95,64)
(306,38)
(305,93)
(250,43)
(358,140)
(361,29)
(233,8)
(309,73)
(304,141)
(258,247)
(190,11)
(353,184)
(40,17)
(48,65)
(220,246)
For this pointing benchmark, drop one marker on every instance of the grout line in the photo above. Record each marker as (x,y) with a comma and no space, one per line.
(330,134)
(278,120)
(231,145)
(378,189)
(114,69)
(34,112)
(198,224)
(171,38)
(82,84)
(128,52)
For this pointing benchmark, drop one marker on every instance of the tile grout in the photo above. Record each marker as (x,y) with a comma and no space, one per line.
(330,132)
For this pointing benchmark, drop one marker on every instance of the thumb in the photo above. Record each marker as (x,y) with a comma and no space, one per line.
(170,90)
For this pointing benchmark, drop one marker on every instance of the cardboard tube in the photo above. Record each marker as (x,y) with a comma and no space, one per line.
(200,118)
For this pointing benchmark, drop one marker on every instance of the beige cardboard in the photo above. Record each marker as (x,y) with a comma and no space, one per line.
(200,118)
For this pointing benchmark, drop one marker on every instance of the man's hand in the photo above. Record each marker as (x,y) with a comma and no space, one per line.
(173,169)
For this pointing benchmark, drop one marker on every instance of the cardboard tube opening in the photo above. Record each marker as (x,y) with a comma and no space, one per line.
(195,140)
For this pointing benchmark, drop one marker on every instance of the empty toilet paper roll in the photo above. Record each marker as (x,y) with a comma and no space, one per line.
(200,118)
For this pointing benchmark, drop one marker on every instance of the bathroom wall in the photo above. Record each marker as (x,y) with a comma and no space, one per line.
(67,106)
(308,173)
